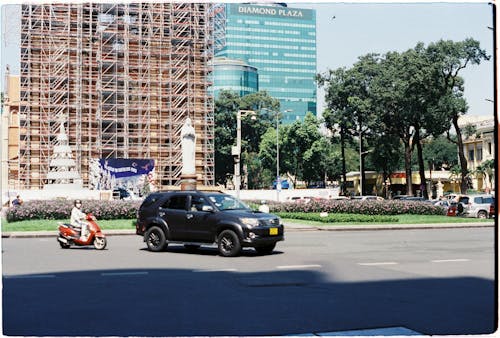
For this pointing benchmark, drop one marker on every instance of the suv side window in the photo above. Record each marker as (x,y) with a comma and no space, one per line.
(175,202)
(489,200)
(198,202)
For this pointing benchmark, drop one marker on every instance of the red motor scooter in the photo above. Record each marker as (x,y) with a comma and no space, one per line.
(70,235)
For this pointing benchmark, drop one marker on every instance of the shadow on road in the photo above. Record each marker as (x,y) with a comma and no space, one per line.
(173,302)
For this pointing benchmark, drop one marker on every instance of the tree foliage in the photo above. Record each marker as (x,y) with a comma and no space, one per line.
(408,96)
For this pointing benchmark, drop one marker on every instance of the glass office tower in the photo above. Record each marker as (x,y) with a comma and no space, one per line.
(234,75)
(281,43)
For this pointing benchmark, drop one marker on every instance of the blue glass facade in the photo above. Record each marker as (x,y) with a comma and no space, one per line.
(281,43)
(234,75)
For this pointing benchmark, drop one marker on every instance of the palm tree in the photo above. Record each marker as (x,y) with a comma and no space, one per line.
(488,168)
(456,176)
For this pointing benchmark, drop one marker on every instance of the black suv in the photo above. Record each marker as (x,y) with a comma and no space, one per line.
(195,218)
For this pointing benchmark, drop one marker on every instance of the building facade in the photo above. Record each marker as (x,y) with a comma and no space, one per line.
(234,75)
(479,147)
(281,43)
(123,78)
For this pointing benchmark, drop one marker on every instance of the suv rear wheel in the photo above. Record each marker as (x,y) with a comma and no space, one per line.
(482,214)
(229,243)
(155,239)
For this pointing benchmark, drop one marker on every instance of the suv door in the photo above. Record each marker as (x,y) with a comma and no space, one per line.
(174,211)
(200,220)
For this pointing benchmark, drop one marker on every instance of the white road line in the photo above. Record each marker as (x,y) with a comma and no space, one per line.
(378,263)
(451,260)
(216,270)
(131,273)
(288,267)
(30,277)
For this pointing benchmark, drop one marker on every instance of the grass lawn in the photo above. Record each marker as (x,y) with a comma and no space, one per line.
(51,225)
(402,219)
(120,224)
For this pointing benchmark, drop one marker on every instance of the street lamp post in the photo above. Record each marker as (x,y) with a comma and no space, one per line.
(236,150)
(278,180)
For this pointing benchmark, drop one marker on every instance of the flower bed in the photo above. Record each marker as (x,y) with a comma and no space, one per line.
(371,207)
(61,209)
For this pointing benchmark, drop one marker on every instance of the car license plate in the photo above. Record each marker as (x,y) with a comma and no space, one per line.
(273,231)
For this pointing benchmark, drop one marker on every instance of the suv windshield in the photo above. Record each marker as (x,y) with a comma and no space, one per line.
(227,202)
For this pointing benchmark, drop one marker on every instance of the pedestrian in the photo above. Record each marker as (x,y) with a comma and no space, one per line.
(17,201)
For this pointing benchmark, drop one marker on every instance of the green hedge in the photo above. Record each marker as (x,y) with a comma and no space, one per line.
(339,218)
(118,209)
(369,207)
(61,209)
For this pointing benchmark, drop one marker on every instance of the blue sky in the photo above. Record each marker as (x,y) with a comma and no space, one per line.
(361,28)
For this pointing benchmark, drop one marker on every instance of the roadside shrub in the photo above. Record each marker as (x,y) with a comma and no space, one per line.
(61,209)
(370,207)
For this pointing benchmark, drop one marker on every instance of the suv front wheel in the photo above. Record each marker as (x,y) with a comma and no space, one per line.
(229,243)
(155,239)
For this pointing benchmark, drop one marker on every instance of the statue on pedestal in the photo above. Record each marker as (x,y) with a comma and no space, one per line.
(188,144)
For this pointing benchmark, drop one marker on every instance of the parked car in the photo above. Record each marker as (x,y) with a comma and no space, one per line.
(301,199)
(480,206)
(284,184)
(448,205)
(195,218)
(368,198)
(124,194)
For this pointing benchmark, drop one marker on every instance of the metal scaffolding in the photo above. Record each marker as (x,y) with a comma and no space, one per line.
(124,77)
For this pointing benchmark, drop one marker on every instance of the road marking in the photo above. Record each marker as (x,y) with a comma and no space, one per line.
(131,273)
(384,331)
(450,260)
(216,270)
(288,267)
(30,276)
(378,263)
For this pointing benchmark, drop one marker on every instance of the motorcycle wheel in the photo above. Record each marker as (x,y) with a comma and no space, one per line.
(100,243)
(63,245)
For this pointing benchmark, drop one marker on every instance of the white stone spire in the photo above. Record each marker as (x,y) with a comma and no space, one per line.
(62,167)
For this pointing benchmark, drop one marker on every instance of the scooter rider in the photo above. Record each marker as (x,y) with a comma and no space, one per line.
(78,219)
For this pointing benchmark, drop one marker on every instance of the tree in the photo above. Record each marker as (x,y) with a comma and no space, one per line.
(440,152)
(252,129)
(449,58)
(350,98)
(337,115)
(298,138)
(486,171)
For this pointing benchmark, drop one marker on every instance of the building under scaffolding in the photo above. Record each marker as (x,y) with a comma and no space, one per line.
(124,77)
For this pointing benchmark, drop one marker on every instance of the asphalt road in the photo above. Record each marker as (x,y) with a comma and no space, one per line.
(435,281)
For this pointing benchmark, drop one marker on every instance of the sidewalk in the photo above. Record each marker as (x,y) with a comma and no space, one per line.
(288,227)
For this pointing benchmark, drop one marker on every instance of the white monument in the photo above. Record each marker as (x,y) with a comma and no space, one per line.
(188,144)
(63,173)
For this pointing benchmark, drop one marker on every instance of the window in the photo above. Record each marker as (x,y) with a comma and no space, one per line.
(198,202)
(479,154)
(471,154)
(176,202)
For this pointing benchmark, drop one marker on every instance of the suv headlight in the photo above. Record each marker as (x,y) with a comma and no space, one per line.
(250,221)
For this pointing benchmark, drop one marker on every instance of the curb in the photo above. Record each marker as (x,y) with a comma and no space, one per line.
(290,227)
(407,227)
(40,234)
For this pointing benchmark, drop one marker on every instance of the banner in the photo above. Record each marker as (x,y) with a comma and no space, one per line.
(136,175)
